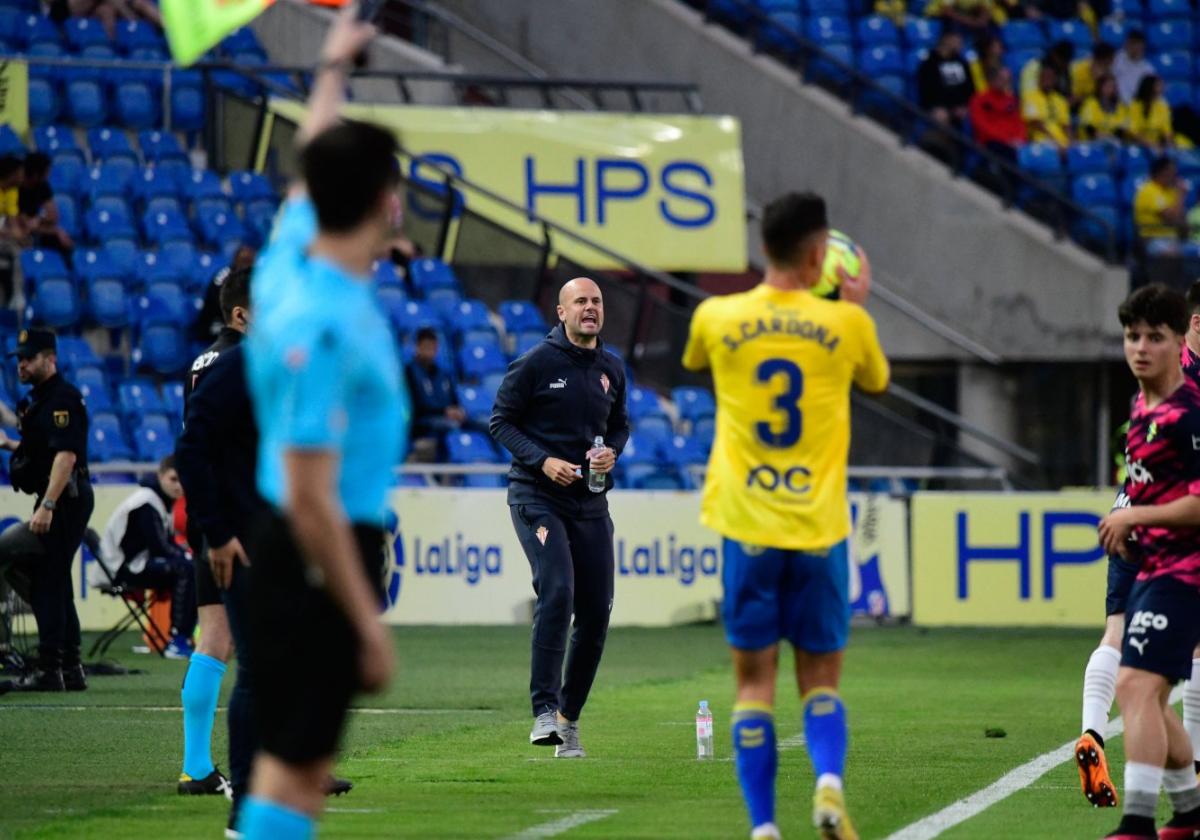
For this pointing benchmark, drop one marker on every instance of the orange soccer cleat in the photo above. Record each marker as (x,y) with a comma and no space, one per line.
(1093,772)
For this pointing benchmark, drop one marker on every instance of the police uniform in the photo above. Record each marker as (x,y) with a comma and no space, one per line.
(553,402)
(52,419)
(208,594)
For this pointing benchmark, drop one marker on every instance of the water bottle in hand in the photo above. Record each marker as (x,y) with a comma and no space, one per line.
(704,731)
(596,480)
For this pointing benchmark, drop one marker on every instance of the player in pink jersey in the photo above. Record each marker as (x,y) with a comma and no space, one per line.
(1162,454)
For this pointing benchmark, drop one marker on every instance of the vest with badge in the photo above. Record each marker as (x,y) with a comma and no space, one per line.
(51,418)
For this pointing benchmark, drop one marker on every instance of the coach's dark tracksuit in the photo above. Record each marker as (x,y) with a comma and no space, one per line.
(553,402)
(216,456)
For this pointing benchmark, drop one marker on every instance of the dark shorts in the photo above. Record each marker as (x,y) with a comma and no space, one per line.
(1121,576)
(1162,628)
(776,593)
(207,592)
(305,651)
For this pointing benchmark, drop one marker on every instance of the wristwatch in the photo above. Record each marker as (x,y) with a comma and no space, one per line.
(49,504)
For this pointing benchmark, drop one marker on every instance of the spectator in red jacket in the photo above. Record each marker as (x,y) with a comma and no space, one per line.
(996,115)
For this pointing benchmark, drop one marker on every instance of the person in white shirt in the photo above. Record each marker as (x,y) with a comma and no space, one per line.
(1131,65)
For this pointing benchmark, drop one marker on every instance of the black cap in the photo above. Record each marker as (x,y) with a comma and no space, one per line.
(32,342)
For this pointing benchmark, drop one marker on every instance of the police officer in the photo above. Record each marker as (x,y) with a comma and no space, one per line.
(50,462)
(553,402)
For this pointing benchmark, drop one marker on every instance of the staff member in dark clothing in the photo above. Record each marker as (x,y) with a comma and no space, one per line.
(554,401)
(50,462)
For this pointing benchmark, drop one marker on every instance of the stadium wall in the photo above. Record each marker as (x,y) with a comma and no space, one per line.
(946,245)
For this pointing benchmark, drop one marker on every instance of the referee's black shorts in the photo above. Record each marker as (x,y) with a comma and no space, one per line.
(305,651)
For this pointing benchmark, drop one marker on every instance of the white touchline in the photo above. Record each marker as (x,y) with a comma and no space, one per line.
(792,742)
(562,825)
(1004,787)
(51,707)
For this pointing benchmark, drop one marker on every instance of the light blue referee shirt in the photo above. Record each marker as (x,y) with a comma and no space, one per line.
(322,369)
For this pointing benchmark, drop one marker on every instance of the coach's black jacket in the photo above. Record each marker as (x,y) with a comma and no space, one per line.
(554,400)
(217,452)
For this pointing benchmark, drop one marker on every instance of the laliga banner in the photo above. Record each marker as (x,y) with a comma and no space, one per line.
(456,559)
(665,190)
(1007,559)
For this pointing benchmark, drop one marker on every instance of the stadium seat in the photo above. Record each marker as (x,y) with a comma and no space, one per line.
(1174,66)
(123,251)
(1166,35)
(428,274)
(639,451)
(53,138)
(660,479)
(153,438)
(475,362)
(877,31)
(136,34)
(157,146)
(693,403)
(108,305)
(94,398)
(415,315)
(91,376)
(654,430)
(42,264)
(1113,32)
(153,182)
(391,300)
(1093,231)
(443,302)
(1135,160)
(170,298)
(222,231)
(477,401)
(1041,160)
(110,179)
(106,439)
(526,340)
(248,186)
(67,173)
(781,30)
(135,105)
(879,61)
(464,447)
(1091,158)
(55,303)
(384,273)
(642,402)
(10,142)
(86,103)
(1093,190)
(173,398)
(163,345)
(187,103)
(837,8)
(1168,10)
(1023,35)
(921,32)
(35,30)
(104,224)
(704,431)
(824,69)
(477,337)
(163,204)
(162,226)
(136,397)
(1179,93)
(76,352)
(468,315)
(84,32)
(1076,32)
(68,214)
(1188,161)
(201,184)
(92,263)
(684,451)
(45,104)
(828,30)
(481,481)
(521,315)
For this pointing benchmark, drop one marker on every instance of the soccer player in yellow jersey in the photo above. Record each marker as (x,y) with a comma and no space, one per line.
(783,362)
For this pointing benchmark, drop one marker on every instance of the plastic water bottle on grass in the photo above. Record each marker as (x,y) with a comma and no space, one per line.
(704,731)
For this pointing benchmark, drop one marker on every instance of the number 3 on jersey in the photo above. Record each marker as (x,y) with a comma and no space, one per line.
(786,403)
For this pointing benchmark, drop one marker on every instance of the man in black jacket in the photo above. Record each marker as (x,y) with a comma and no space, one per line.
(554,401)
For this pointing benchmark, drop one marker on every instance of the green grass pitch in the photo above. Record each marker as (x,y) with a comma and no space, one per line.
(455,762)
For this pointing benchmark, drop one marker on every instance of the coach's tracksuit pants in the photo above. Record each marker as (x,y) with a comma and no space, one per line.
(572,563)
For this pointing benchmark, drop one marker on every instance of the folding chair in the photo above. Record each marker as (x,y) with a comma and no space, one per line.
(138,602)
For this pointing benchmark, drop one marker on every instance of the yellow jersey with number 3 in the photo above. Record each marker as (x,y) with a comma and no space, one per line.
(783,363)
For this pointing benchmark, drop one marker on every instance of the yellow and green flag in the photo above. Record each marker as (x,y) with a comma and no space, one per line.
(195,26)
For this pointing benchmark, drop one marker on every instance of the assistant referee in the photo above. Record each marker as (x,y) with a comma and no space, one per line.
(554,401)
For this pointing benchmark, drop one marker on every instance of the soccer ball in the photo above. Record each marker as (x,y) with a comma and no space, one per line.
(841,252)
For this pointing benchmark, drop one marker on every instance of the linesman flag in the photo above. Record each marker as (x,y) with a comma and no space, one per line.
(194,26)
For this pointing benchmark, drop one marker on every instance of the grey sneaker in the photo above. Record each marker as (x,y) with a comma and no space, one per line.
(569,734)
(545,730)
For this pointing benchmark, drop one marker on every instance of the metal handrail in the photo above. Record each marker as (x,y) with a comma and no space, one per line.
(805,47)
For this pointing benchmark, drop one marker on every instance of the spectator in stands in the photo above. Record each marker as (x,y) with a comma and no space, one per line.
(1047,114)
(435,406)
(1104,116)
(944,81)
(894,10)
(1131,65)
(968,17)
(1158,207)
(1087,72)
(12,233)
(108,11)
(989,55)
(1150,115)
(996,115)
(35,202)
(1057,57)
(138,550)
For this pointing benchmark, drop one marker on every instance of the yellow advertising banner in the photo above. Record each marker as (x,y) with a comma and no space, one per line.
(1009,559)
(14,95)
(665,190)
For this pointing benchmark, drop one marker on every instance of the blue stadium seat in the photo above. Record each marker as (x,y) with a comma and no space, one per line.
(41,264)
(1167,35)
(1074,31)
(466,315)
(1174,66)
(639,450)
(783,29)
(1091,158)
(682,451)
(123,251)
(429,273)
(259,217)
(153,182)
(173,398)
(68,214)
(693,403)
(1093,190)
(45,104)
(1179,93)
(1113,32)
(104,224)
(93,376)
(822,69)
(492,381)
(200,184)
(98,51)
(92,263)
(180,256)
(163,344)
(1188,161)
(526,340)
(881,61)
(477,401)
(55,303)
(704,431)
(158,146)
(248,186)
(642,402)
(921,32)
(827,30)
(1128,10)
(162,226)
(384,273)
(391,300)
(106,441)
(86,103)
(138,34)
(242,40)
(1129,187)
(416,315)
(187,101)
(34,30)
(479,337)
(67,171)
(84,32)
(484,481)
(1023,35)
(108,305)
(106,141)
(876,30)
(660,479)
(1168,10)
(1094,232)
(475,362)
(162,204)
(654,430)
(153,438)
(470,448)
(75,352)
(839,8)
(521,315)
(109,179)
(222,231)
(443,302)
(96,399)
(53,138)
(137,397)
(1040,159)
(135,105)
(1135,160)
